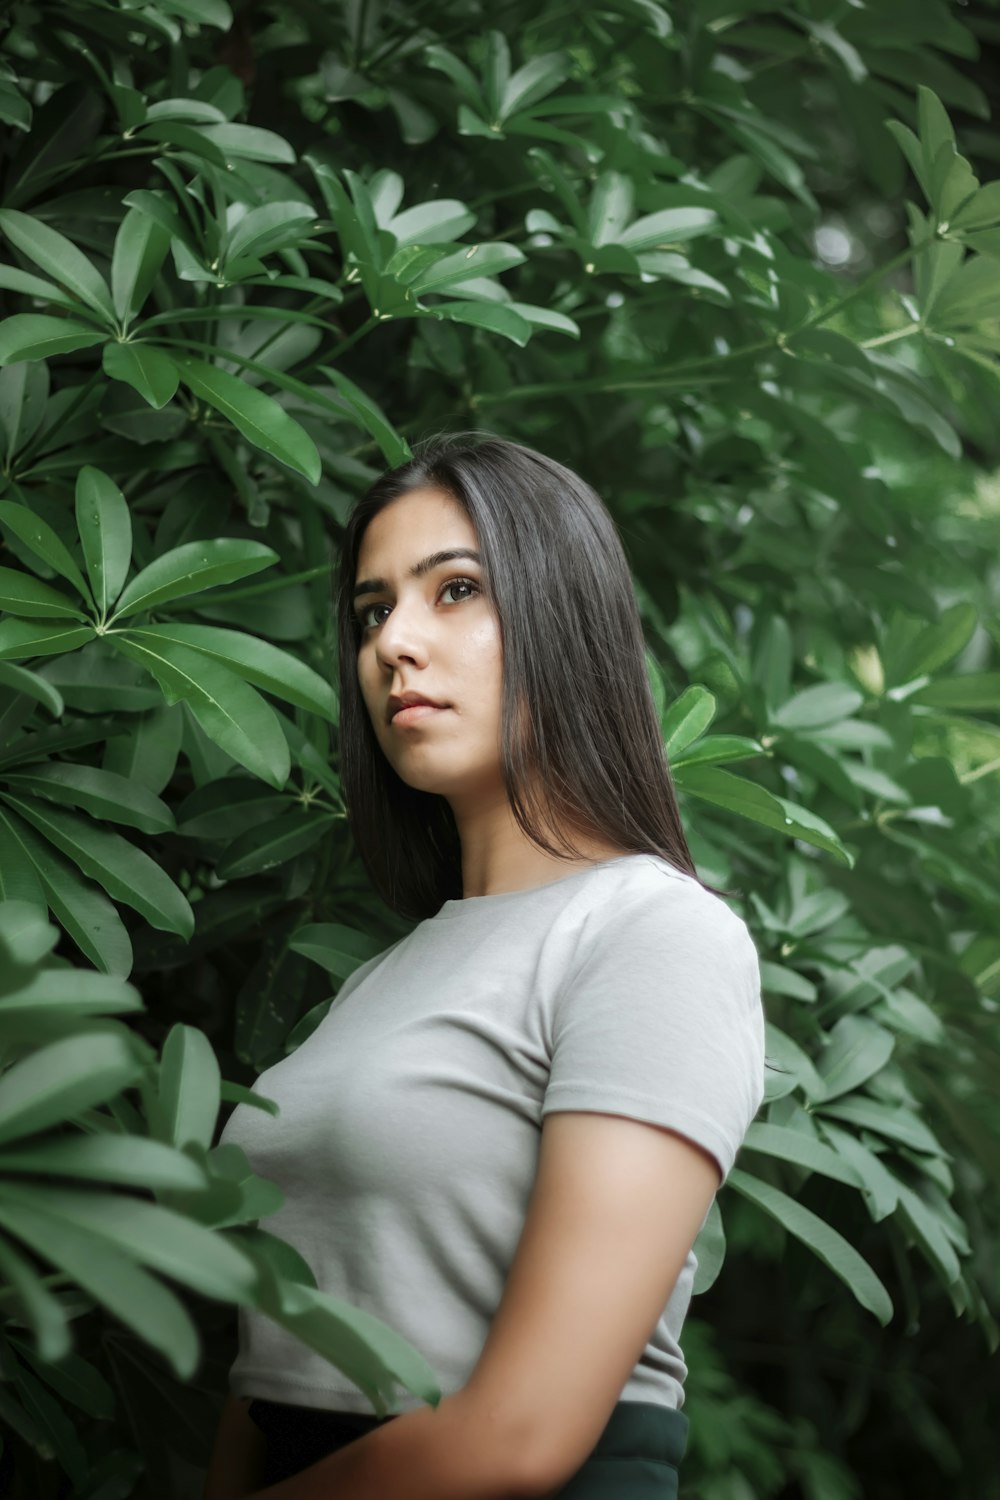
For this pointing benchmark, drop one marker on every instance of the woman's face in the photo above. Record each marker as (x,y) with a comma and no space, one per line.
(432,634)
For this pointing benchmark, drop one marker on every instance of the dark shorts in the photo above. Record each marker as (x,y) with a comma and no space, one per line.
(637,1457)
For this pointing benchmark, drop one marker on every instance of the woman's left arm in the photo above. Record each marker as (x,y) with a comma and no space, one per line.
(616,1206)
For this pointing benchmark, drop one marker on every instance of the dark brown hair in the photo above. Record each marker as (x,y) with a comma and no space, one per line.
(556,573)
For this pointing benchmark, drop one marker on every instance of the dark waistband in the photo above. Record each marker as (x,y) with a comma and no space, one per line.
(635,1429)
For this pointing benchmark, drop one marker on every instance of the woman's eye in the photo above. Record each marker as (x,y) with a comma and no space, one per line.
(453,583)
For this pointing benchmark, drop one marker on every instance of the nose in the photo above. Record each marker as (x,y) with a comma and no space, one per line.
(401,637)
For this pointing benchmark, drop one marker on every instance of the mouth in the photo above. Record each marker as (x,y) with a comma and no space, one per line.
(415,713)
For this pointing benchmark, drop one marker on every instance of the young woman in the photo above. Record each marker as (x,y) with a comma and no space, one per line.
(507,1131)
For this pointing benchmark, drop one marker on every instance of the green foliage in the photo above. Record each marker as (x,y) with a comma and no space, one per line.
(669,245)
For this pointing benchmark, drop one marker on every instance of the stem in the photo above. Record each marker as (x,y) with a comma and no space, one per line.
(890,338)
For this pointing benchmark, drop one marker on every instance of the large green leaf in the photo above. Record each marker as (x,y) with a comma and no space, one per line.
(36,534)
(230,712)
(37,336)
(191,568)
(339,949)
(188,1097)
(23,594)
(148,370)
(130,1294)
(256,660)
(369,414)
(58,1081)
(275,843)
(128,1161)
(103,794)
(125,872)
(141,245)
(105,527)
(21,638)
(258,417)
(822,1239)
(80,907)
(59,258)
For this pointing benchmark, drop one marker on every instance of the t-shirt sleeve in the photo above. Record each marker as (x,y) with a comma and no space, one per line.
(662,1020)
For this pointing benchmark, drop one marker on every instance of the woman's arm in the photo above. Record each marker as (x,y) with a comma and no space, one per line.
(616,1207)
(236,1467)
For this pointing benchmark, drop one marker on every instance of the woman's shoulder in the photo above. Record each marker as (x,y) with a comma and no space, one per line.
(647,891)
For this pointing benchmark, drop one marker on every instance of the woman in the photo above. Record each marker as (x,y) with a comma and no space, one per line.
(507,1131)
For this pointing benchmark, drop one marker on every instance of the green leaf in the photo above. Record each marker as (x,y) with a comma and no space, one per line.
(58,1081)
(80,908)
(463,265)
(41,1310)
(232,714)
(105,526)
(533,81)
(188,1098)
(39,537)
(141,245)
(749,800)
(544,317)
(269,227)
(496,317)
(259,418)
(981,210)
(255,660)
(934,126)
(24,393)
(669,227)
(38,336)
(824,703)
(800,1150)
(441,221)
(90,1260)
(60,259)
(687,719)
(13,279)
(21,680)
(856,1049)
(260,849)
(338,949)
(147,369)
(977,692)
(129,1161)
(717,749)
(250,143)
(103,794)
(23,594)
(71,993)
(831,1247)
(370,416)
(125,872)
(191,568)
(20,638)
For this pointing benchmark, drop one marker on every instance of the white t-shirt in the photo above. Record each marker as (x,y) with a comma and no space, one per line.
(411,1117)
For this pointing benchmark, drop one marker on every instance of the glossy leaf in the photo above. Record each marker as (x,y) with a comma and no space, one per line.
(105,527)
(125,872)
(147,369)
(230,712)
(191,568)
(825,1241)
(37,336)
(255,660)
(258,417)
(60,259)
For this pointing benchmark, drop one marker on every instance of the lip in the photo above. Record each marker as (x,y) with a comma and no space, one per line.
(410,699)
(414,713)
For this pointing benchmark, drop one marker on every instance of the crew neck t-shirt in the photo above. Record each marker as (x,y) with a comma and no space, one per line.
(411,1117)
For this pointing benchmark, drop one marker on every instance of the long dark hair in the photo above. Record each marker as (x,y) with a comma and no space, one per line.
(590,745)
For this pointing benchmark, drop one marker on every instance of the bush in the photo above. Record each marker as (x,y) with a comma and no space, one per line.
(248,259)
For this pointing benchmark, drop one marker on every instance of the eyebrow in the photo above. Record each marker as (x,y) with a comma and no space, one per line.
(426,564)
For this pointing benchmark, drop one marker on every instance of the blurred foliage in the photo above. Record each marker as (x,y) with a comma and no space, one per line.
(731,261)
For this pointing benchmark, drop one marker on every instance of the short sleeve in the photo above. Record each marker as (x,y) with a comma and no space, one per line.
(662,1020)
